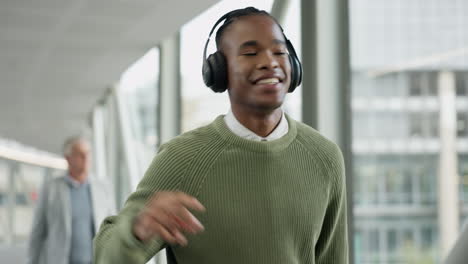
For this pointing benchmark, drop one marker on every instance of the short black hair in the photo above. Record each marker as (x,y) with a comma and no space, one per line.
(235,15)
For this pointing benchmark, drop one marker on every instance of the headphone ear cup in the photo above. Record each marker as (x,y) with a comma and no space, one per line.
(296,73)
(207,72)
(215,73)
(220,72)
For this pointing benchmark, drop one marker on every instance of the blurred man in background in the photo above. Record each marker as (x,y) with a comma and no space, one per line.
(69,211)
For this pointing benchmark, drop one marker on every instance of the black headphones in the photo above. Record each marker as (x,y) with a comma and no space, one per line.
(214,69)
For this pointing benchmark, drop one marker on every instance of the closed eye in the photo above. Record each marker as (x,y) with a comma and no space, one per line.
(249,54)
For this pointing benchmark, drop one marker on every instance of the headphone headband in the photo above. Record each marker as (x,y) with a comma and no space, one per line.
(225,16)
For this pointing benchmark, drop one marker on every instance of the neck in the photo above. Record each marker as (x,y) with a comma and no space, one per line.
(79,177)
(261,123)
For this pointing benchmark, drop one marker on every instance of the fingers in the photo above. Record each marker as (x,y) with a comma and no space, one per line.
(189,202)
(167,215)
(176,207)
(185,220)
(170,235)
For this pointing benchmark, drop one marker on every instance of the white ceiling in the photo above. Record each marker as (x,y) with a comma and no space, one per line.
(57,58)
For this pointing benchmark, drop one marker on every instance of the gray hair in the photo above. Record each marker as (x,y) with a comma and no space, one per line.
(70,142)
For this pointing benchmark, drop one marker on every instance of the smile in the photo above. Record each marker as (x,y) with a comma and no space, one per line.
(269,81)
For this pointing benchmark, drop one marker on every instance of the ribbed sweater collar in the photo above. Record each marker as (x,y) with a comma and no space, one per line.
(258,146)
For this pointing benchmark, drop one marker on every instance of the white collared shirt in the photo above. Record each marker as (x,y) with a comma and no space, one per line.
(237,128)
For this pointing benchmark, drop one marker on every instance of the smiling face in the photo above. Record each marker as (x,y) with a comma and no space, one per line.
(257,64)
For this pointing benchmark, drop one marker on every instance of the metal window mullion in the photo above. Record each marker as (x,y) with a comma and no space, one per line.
(170,89)
(326,81)
(169,99)
(279,10)
(130,155)
(309,62)
(13,168)
(99,142)
(111,143)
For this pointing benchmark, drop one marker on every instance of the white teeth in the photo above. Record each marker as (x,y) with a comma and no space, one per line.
(268,81)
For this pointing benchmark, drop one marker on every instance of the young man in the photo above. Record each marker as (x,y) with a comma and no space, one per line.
(254,186)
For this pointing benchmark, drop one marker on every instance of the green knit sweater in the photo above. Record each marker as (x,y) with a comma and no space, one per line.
(275,202)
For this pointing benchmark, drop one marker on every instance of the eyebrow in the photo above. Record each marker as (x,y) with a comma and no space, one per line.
(254,43)
(250,43)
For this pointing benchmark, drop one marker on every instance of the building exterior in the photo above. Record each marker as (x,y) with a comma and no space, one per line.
(407,58)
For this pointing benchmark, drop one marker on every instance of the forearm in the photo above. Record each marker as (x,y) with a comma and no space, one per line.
(115,243)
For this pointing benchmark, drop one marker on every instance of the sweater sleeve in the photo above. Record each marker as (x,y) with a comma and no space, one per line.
(332,245)
(115,242)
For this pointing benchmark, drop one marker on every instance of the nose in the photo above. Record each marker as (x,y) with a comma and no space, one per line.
(267,60)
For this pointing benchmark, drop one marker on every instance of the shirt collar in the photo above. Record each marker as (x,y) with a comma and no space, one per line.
(240,130)
(74,183)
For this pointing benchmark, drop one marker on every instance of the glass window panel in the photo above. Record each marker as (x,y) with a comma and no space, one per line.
(407,188)
(416,125)
(400,50)
(392,185)
(431,82)
(408,237)
(368,183)
(374,242)
(416,84)
(462,124)
(27,182)
(433,124)
(463,172)
(461,84)
(139,86)
(427,189)
(358,245)
(426,237)
(391,240)
(4,187)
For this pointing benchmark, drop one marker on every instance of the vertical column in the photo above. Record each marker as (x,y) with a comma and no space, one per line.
(99,143)
(11,201)
(447,173)
(279,10)
(333,69)
(309,62)
(170,98)
(326,87)
(130,157)
(112,145)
